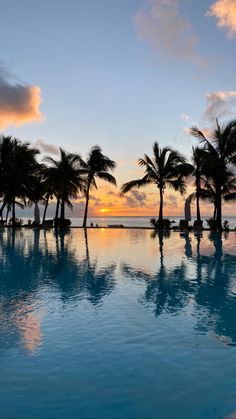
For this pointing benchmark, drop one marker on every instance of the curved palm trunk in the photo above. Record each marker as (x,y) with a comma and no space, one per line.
(45,208)
(86,206)
(2,208)
(7,214)
(57,208)
(161,206)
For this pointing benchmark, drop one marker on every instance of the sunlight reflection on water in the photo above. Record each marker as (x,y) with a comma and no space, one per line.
(117,324)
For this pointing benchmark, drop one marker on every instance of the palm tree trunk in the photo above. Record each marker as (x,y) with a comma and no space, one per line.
(86,206)
(219,214)
(2,208)
(198,200)
(215,211)
(13,213)
(219,208)
(62,209)
(8,209)
(198,209)
(57,208)
(45,208)
(161,206)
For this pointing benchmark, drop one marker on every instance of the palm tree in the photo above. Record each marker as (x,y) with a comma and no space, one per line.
(18,168)
(166,168)
(220,157)
(98,166)
(36,192)
(66,179)
(50,188)
(209,191)
(198,156)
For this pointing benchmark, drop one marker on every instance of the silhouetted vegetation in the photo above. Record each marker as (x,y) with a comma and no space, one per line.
(212,169)
(217,166)
(98,166)
(167,168)
(25,181)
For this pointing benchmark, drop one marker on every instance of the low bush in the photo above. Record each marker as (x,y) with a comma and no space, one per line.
(165,223)
(212,224)
(226,225)
(58,223)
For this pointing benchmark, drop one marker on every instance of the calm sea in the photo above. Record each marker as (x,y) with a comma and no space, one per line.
(136,221)
(132,221)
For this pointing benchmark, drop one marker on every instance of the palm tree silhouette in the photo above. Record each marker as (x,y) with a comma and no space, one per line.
(209,191)
(220,157)
(18,171)
(198,156)
(98,166)
(66,179)
(51,185)
(167,167)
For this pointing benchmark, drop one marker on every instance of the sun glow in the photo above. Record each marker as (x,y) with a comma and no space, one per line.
(104,210)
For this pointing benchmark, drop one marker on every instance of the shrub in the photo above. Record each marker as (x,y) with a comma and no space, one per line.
(18,222)
(226,225)
(165,223)
(58,223)
(212,224)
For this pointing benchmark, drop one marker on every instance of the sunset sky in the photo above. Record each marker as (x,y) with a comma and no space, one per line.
(121,74)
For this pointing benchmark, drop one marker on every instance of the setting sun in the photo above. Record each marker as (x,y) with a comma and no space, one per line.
(104,210)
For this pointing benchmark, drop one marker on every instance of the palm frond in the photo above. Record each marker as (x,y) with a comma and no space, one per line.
(107,177)
(136,183)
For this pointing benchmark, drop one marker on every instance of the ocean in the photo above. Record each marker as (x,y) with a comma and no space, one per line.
(137,221)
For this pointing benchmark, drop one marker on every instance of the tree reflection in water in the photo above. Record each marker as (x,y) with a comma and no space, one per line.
(53,263)
(211,292)
(41,261)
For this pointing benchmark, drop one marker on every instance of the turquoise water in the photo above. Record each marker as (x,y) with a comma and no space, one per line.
(117,324)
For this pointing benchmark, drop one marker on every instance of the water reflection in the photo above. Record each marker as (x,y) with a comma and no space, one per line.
(94,308)
(195,272)
(211,290)
(35,264)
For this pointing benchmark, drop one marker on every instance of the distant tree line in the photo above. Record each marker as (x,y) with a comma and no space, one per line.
(24,180)
(212,168)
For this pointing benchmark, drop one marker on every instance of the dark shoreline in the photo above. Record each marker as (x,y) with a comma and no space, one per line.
(176,230)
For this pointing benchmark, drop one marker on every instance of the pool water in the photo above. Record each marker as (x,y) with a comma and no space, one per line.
(117,324)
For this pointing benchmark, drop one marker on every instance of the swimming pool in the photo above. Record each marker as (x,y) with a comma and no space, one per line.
(117,324)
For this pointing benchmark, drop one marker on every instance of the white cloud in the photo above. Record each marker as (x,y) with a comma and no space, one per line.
(170,32)
(45,147)
(220,105)
(185,117)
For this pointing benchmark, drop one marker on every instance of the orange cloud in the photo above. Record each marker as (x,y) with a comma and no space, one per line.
(225,13)
(19,103)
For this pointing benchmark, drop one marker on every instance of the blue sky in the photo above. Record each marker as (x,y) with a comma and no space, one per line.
(110,73)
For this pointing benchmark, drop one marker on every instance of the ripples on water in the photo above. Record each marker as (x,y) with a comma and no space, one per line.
(117,324)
